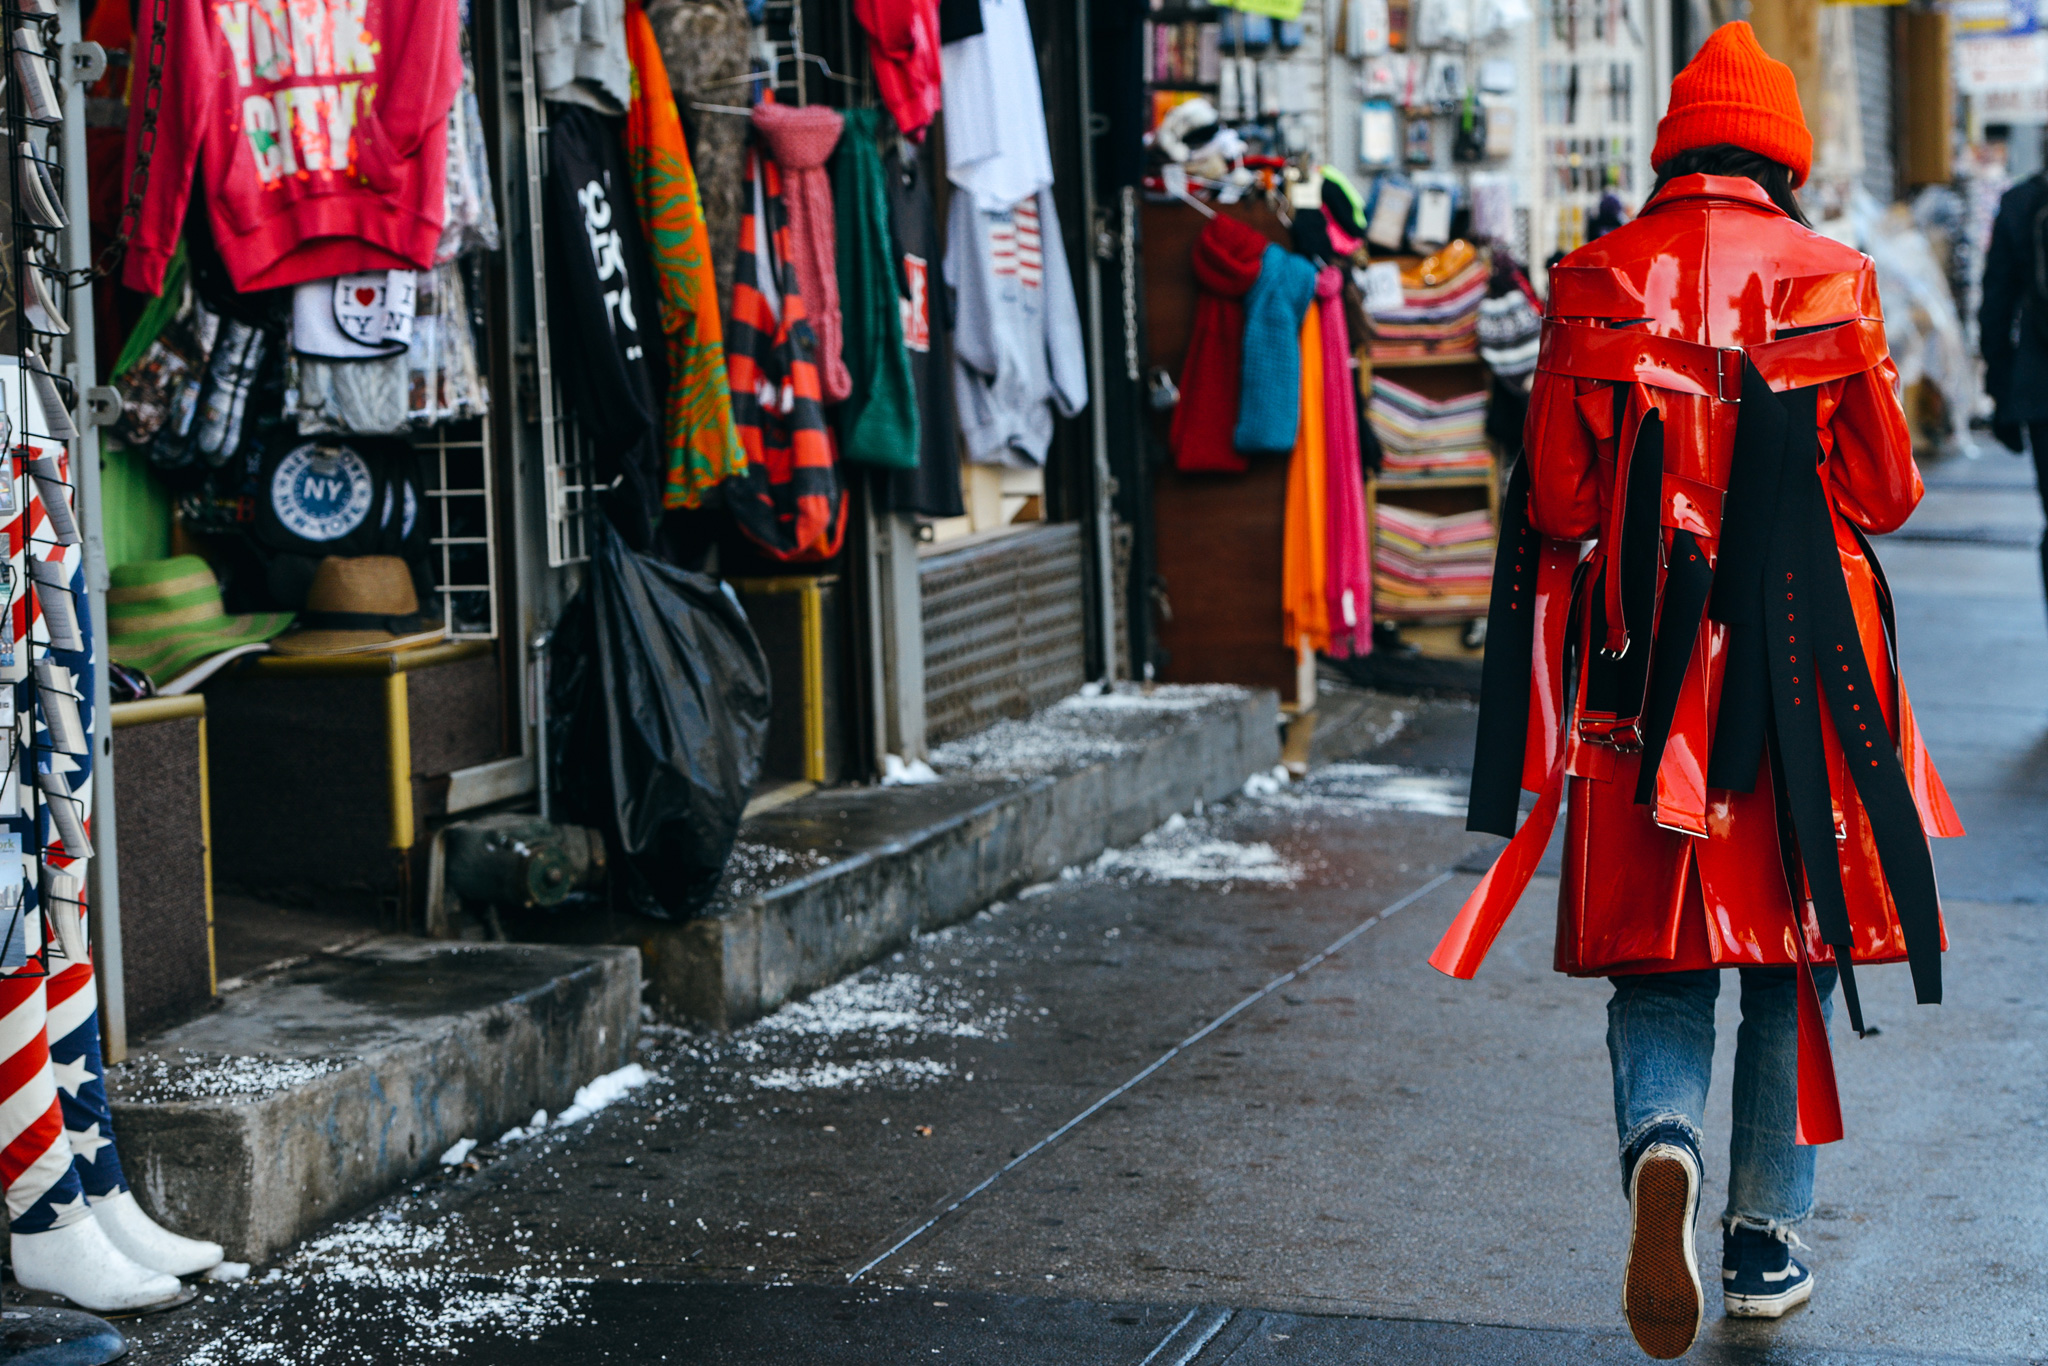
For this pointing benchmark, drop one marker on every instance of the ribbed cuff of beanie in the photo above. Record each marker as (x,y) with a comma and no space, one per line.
(1748,126)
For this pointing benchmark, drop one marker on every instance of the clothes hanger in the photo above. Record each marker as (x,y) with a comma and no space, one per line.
(1175,179)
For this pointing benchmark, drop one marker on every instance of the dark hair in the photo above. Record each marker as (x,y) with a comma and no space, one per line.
(1727,159)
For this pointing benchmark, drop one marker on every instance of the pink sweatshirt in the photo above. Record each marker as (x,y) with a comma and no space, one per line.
(317,130)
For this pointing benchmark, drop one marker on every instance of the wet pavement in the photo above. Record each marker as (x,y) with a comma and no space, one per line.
(1203,1101)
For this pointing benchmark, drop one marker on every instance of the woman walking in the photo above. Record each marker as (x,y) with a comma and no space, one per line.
(1691,651)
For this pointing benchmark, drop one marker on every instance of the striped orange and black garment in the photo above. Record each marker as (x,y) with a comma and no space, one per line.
(789,499)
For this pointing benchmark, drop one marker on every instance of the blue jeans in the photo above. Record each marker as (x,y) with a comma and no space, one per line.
(1660,1036)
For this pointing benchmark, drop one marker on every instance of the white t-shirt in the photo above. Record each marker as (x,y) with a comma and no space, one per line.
(996,147)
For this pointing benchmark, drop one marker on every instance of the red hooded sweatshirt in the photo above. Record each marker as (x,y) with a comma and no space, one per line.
(317,129)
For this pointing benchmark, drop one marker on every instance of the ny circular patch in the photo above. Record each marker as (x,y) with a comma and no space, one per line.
(321,492)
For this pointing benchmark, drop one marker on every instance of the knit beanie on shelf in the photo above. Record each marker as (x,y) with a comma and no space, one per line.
(1733,92)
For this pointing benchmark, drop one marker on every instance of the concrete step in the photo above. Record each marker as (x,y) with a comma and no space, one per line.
(823,885)
(317,1090)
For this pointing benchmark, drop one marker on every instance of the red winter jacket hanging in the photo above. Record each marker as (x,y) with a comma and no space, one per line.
(789,500)
(317,130)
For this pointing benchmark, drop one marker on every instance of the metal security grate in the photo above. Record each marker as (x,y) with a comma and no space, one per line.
(568,463)
(572,487)
(455,467)
(1004,633)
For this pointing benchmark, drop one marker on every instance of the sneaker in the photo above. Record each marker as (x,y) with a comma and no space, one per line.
(1660,1291)
(1760,1278)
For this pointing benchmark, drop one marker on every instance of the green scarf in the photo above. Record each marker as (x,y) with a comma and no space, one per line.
(879,419)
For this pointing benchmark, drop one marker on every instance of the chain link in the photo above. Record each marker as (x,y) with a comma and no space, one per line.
(1129,245)
(145,152)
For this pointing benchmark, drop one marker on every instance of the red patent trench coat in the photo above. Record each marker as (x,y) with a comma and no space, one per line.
(1655,321)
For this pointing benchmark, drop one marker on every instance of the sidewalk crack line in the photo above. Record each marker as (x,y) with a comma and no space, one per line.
(1306,965)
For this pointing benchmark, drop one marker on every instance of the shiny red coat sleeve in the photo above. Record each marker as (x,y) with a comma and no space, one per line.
(1565,472)
(1869,449)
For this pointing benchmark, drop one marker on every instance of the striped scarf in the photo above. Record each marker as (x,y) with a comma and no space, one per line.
(789,499)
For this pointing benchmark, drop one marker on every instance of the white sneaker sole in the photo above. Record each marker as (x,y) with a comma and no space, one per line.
(1768,1306)
(1661,1293)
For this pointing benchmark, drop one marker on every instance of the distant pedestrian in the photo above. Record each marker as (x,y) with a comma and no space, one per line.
(2013,325)
(1714,427)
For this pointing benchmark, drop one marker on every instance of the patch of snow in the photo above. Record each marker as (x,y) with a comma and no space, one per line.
(1268,784)
(1020,747)
(896,773)
(458,1152)
(893,1003)
(755,867)
(521,1133)
(432,1310)
(1201,861)
(1385,787)
(832,1076)
(602,1091)
(155,1078)
(1087,728)
(229,1271)
(1166,697)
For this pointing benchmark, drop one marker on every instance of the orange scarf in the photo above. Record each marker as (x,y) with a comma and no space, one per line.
(1305,570)
(703,448)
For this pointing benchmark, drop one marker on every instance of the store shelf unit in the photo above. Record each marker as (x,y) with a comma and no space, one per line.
(1436,634)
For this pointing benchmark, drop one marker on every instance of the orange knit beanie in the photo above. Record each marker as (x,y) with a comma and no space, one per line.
(1733,92)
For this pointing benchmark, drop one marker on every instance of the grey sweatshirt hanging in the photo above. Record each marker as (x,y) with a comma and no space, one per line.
(1017,349)
(579,53)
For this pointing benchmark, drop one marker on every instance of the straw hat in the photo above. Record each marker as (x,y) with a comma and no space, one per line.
(165,618)
(360,604)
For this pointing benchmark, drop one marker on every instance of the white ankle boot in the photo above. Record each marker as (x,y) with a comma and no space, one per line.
(149,1243)
(78,1262)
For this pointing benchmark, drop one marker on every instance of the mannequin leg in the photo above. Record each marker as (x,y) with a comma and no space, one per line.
(57,1244)
(74,1033)
(43,1192)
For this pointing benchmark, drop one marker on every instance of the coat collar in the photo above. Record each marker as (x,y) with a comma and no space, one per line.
(1725,187)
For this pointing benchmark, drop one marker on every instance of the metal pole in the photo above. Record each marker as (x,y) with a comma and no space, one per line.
(902,593)
(1098,415)
(104,872)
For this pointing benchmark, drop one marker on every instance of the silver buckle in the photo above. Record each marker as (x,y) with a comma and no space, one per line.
(1721,374)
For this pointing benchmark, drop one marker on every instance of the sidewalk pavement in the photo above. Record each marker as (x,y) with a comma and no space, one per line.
(1202,1100)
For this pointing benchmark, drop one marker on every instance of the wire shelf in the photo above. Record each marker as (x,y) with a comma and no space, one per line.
(455,460)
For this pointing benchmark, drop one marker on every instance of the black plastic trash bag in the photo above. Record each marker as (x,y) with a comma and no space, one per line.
(659,699)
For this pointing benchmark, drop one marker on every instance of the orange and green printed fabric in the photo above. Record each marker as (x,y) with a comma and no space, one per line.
(703,448)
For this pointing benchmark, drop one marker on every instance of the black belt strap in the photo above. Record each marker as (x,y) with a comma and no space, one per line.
(1686,585)
(1642,536)
(1748,516)
(1779,587)
(1867,744)
(1504,676)
(1793,643)
(1614,686)
(1788,854)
